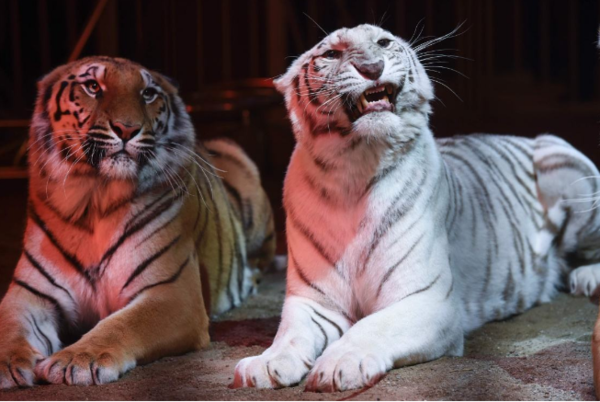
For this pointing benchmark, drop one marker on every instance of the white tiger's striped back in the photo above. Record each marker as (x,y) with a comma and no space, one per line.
(495,211)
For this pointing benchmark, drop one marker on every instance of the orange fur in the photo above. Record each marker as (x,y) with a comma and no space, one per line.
(132,237)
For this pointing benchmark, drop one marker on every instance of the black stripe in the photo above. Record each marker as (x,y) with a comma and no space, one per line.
(450,290)
(317,189)
(134,227)
(35,329)
(493,168)
(424,288)
(59,113)
(303,276)
(45,273)
(311,238)
(391,270)
(326,340)
(67,220)
(236,196)
(337,327)
(142,267)
(248,215)
(48,342)
(158,229)
(145,209)
(312,96)
(219,235)
(73,260)
(228,157)
(236,253)
(296,82)
(57,307)
(397,210)
(10,370)
(171,279)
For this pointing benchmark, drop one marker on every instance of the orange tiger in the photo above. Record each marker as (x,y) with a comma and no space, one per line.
(132,238)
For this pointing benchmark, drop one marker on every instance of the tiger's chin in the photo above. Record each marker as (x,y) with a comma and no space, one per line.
(384,125)
(119,167)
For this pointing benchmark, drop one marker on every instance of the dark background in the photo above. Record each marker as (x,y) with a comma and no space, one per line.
(531,67)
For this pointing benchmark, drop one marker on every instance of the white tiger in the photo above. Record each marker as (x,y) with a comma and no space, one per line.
(400,244)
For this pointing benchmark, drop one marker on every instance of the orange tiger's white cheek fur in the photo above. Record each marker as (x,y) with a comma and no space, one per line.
(399,244)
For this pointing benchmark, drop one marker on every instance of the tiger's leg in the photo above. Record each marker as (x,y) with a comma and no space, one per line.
(422,327)
(28,321)
(568,186)
(306,329)
(585,281)
(165,319)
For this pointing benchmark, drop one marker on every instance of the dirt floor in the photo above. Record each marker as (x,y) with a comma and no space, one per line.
(543,354)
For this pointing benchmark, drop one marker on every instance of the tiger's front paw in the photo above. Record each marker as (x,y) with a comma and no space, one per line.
(585,281)
(271,370)
(78,365)
(17,366)
(343,367)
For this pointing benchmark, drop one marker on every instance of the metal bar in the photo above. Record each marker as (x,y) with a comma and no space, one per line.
(87,31)
(139,30)
(294,29)
(17,74)
(199,45)
(544,41)
(13,173)
(14,123)
(254,40)
(574,53)
(429,20)
(517,35)
(44,34)
(226,66)
(71,14)
(276,37)
(401,26)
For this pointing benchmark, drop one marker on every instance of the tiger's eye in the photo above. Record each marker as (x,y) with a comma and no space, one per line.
(384,42)
(92,87)
(332,54)
(149,94)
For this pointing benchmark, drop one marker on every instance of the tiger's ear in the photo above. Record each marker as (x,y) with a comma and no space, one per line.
(166,82)
(46,83)
(284,81)
(172,81)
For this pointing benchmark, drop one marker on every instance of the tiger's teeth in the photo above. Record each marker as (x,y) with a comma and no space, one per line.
(360,107)
(364,100)
(385,98)
(388,89)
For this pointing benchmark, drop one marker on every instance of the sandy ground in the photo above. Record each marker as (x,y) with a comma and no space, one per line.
(543,354)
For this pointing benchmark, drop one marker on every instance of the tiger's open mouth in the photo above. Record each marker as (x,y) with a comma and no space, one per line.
(381,98)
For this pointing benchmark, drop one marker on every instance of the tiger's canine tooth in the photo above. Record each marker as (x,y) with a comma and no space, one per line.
(364,100)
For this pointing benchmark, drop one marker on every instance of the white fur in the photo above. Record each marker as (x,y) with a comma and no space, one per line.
(398,244)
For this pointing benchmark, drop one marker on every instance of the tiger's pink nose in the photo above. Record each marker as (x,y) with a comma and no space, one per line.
(125,131)
(371,71)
